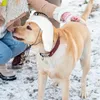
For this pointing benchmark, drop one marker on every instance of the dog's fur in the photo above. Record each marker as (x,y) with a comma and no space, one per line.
(75,44)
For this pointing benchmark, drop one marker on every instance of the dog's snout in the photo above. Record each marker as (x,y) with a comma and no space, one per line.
(14,30)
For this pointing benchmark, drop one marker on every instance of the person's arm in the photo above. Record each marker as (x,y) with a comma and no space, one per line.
(60,14)
(43,6)
(2,20)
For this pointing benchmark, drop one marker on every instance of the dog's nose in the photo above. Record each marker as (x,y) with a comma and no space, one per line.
(14,30)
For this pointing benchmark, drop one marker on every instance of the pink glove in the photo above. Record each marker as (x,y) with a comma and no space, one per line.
(68,15)
(60,14)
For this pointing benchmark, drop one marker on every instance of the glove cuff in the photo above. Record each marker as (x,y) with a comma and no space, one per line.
(58,12)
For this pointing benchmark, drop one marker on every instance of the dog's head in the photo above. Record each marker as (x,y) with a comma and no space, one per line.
(28,33)
(36,28)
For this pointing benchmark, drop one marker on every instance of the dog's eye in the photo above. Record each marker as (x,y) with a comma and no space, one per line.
(29,28)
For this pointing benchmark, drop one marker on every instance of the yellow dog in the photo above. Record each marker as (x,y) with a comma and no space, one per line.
(69,44)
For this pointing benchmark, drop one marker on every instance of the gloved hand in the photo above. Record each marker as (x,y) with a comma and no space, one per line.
(60,14)
(66,15)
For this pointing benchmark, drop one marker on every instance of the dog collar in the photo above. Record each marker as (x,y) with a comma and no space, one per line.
(55,47)
(51,53)
(47,30)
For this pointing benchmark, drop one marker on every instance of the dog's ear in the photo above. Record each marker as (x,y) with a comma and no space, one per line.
(47,30)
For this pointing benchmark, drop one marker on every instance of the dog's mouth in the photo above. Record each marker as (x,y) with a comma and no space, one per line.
(20,39)
(17,37)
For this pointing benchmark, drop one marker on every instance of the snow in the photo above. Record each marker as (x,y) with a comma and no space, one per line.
(26,85)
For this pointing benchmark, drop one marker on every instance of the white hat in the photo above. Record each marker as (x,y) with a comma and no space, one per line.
(47,29)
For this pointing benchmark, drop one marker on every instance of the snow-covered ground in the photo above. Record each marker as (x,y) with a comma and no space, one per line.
(25,87)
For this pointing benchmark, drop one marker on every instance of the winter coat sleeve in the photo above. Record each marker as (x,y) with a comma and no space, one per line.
(43,6)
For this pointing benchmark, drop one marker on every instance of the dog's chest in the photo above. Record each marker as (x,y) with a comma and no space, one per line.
(54,61)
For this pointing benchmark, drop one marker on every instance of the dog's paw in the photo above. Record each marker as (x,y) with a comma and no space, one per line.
(55,84)
(83,95)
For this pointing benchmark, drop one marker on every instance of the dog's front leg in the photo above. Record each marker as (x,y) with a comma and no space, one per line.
(42,78)
(65,89)
(85,63)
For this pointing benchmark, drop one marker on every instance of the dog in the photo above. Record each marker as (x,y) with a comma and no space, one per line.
(71,42)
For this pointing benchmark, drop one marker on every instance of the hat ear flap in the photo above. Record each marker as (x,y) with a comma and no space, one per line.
(47,30)
(47,37)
